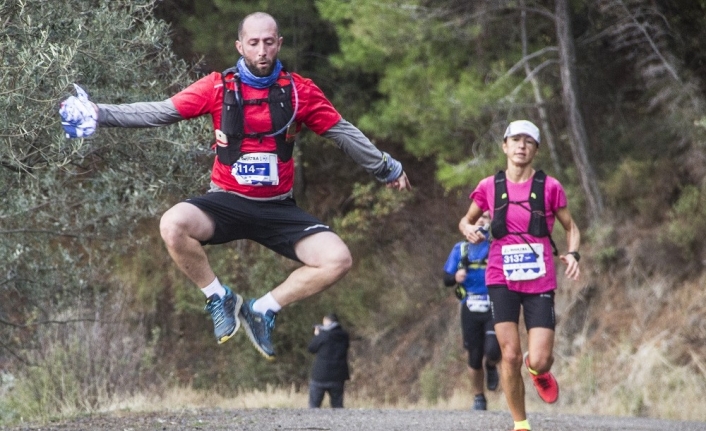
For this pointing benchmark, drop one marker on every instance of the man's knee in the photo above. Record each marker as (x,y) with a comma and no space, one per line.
(168,226)
(173,227)
(327,251)
(184,221)
(342,261)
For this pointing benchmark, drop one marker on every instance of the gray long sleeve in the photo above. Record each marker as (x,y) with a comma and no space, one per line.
(140,114)
(357,146)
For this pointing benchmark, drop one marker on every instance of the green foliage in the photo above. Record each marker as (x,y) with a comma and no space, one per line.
(629,190)
(467,174)
(687,222)
(60,191)
(371,203)
(69,206)
(213,27)
(605,253)
(439,98)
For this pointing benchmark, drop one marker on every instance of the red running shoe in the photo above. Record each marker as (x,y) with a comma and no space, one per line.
(546,385)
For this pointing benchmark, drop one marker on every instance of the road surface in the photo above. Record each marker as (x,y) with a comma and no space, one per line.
(350,420)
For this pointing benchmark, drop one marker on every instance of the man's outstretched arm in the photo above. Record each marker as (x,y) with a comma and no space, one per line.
(140,114)
(359,148)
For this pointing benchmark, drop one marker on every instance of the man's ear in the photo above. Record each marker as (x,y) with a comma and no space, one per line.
(239,47)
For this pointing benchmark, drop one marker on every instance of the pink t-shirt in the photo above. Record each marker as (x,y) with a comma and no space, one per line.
(518,221)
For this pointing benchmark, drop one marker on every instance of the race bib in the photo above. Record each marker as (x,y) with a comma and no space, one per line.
(256,169)
(478,303)
(521,263)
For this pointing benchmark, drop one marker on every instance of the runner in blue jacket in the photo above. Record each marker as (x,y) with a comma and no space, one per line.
(465,269)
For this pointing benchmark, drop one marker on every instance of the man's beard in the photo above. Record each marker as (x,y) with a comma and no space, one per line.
(258,72)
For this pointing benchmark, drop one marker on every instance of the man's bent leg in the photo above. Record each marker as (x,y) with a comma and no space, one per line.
(326,260)
(183,227)
(511,368)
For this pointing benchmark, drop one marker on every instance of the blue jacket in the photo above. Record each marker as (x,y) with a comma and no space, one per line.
(475,274)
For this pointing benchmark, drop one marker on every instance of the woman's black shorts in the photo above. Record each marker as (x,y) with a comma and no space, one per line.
(538,308)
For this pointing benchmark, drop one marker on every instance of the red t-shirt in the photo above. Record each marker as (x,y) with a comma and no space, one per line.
(205,96)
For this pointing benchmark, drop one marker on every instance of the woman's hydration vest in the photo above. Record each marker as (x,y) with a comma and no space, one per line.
(232,119)
(538,218)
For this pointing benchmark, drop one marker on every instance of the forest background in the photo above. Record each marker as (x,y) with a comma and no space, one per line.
(93,311)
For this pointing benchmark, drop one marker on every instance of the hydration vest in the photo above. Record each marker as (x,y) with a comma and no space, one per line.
(465,262)
(538,218)
(279,100)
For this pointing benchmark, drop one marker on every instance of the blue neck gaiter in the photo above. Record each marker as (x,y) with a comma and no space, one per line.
(247,77)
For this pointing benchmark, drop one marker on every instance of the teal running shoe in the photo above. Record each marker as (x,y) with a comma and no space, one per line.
(224,312)
(259,328)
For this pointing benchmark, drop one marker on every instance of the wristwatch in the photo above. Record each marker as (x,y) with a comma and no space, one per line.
(575,254)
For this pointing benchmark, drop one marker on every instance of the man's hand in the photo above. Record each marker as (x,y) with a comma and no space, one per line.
(460,276)
(79,117)
(401,183)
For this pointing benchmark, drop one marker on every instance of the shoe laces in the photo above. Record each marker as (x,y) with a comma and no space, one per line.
(217,310)
(269,322)
(544,381)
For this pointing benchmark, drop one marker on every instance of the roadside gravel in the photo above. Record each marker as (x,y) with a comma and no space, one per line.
(350,420)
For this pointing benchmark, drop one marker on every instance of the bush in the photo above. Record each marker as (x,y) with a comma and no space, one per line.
(83,363)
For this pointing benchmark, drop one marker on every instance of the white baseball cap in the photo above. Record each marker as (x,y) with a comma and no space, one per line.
(520,127)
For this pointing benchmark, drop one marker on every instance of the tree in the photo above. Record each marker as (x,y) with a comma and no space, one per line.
(442,102)
(570,94)
(72,207)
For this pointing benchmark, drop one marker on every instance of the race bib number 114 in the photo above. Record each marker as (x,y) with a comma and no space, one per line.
(256,169)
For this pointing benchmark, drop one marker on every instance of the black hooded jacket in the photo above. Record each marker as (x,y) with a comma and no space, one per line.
(331,349)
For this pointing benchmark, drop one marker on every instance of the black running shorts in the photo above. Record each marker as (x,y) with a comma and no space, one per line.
(277,224)
(538,309)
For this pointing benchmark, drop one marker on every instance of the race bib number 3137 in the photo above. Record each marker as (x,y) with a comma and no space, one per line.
(523,261)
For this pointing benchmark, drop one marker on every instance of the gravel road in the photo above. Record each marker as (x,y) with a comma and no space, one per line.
(351,420)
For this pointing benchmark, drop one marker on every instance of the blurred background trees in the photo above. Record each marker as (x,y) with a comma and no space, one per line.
(615,85)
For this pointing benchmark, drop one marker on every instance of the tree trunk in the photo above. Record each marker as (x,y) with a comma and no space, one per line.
(578,136)
(547,135)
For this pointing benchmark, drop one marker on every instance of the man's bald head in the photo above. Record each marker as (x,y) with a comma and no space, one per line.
(256,16)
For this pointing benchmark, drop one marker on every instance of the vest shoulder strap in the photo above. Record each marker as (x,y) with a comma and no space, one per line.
(538,217)
(281,111)
(464,262)
(498,226)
